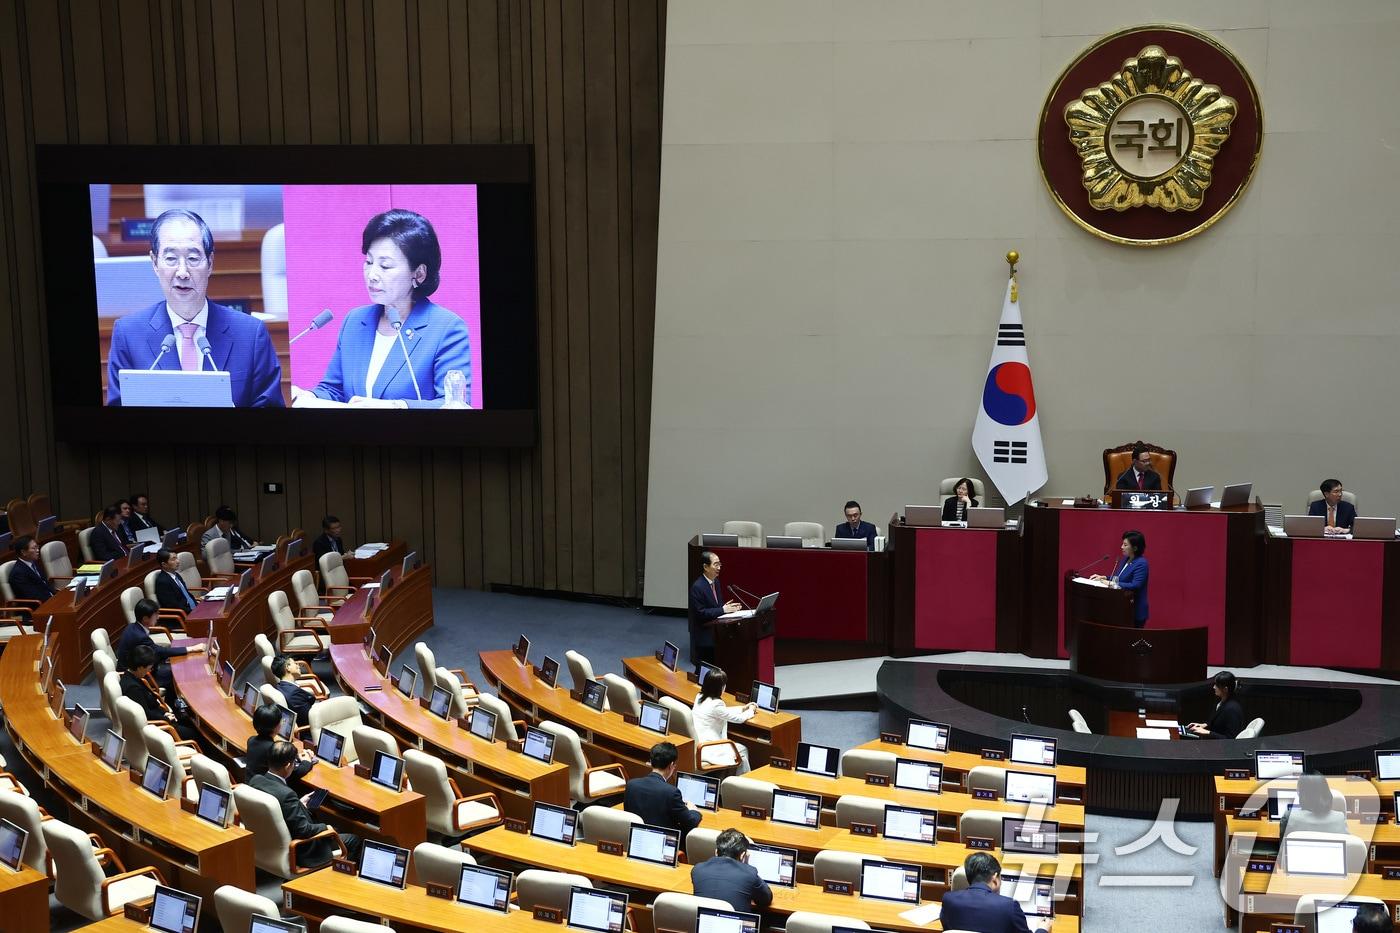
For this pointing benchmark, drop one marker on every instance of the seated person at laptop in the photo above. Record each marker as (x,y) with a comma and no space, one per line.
(706,606)
(27,577)
(138,633)
(299,699)
(712,716)
(1371,918)
(853,527)
(1314,813)
(955,506)
(1227,719)
(655,799)
(225,526)
(729,878)
(281,762)
(105,540)
(171,590)
(266,719)
(141,514)
(1339,513)
(124,530)
(136,683)
(1140,475)
(979,907)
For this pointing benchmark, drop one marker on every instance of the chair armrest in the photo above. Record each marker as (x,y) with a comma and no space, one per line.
(54,581)
(314,684)
(615,768)
(106,856)
(323,834)
(349,590)
(495,802)
(360,581)
(733,748)
(22,604)
(158,630)
(285,636)
(310,621)
(176,615)
(462,676)
(217,580)
(108,882)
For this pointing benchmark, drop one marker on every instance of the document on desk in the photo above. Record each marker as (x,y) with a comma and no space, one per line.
(369,550)
(1143,732)
(1087,582)
(90,580)
(221,592)
(924,914)
(1162,723)
(735,616)
(370,586)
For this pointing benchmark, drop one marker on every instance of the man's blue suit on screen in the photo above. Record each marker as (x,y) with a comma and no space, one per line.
(1346,512)
(239,343)
(979,909)
(438,342)
(1133,576)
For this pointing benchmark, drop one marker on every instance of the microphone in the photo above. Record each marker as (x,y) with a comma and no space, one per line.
(1024,717)
(203,345)
(396,320)
(1091,563)
(166,346)
(317,322)
(737,590)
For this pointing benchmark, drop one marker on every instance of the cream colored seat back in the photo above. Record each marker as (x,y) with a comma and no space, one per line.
(750,534)
(984,824)
(110,688)
(813,534)
(1078,722)
(535,887)
(605,824)
(854,808)
(505,723)
(585,785)
(987,777)
(858,762)
(448,681)
(333,573)
(427,661)
(737,792)
(580,669)
(622,695)
(78,876)
(700,844)
(129,598)
(338,924)
(21,810)
(802,921)
(305,596)
(54,556)
(85,545)
(5,590)
(271,694)
(218,557)
(133,720)
(160,745)
(340,714)
(366,740)
(261,815)
(833,865)
(681,722)
(435,864)
(206,770)
(235,907)
(674,911)
(189,570)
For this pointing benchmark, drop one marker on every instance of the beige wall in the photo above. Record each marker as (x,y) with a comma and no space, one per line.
(840,181)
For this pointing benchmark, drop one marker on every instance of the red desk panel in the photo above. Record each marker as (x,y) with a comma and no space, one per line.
(957,589)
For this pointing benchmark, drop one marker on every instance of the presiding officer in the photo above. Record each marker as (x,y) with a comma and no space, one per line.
(1227,719)
(1131,574)
(1339,513)
(655,799)
(1140,475)
(980,906)
(182,256)
(955,506)
(853,527)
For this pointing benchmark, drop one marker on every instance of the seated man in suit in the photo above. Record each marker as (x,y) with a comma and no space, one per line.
(281,762)
(27,577)
(1339,513)
(853,527)
(105,542)
(655,799)
(329,539)
(299,699)
(729,878)
(226,526)
(266,719)
(171,590)
(136,687)
(979,907)
(138,633)
(141,514)
(1140,475)
(182,257)
(706,606)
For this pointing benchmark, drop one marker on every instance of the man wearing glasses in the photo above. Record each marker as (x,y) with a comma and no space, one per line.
(182,255)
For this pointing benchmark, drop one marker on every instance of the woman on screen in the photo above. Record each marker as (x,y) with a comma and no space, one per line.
(399,351)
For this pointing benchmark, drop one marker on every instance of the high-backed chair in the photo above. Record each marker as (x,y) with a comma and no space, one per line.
(102,665)
(338,924)
(605,824)
(293,635)
(235,907)
(79,881)
(366,740)
(1315,495)
(1076,719)
(813,534)
(700,844)
(507,728)
(102,644)
(858,762)
(218,557)
(984,824)
(750,533)
(1252,730)
(271,694)
(450,814)
(274,849)
(189,571)
(9,594)
(335,579)
(949,486)
(25,813)
(462,701)
(21,519)
(206,770)
(435,864)
(986,777)
(833,865)
(586,784)
(340,714)
(1117,459)
(854,808)
(737,792)
(719,755)
(160,745)
(427,661)
(622,695)
(54,557)
(1306,910)
(306,679)
(85,545)
(309,603)
(109,688)
(802,921)
(160,634)
(133,720)
(674,911)
(580,669)
(535,887)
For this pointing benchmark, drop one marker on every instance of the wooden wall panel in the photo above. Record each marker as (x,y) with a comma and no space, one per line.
(581,82)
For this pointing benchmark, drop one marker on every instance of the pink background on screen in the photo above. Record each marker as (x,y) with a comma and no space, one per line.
(1336,599)
(955,589)
(325,265)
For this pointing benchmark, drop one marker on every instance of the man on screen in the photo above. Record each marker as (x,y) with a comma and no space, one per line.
(182,256)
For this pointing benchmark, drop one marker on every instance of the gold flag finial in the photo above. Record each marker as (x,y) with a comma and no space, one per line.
(1013,257)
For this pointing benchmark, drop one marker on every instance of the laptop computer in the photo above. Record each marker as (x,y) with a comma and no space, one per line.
(783,541)
(849,544)
(384,864)
(701,791)
(1032,750)
(1371,528)
(923,516)
(910,774)
(1235,494)
(1198,497)
(1388,764)
(487,888)
(932,736)
(822,760)
(1304,526)
(12,842)
(174,911)
(796,809)
(765,696)
(986,517)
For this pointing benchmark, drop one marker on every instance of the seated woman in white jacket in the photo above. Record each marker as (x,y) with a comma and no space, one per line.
(712,718)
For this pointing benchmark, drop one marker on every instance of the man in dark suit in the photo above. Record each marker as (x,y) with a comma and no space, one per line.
(27,577)
(329,539)
(1339,513)
(705,607)
(141,514)
(729,878)
(171,590)
(979,907)
(138,633)
(226,526)
(182,256)
(655,799)
(136,687)
(853,527)
(1140,475)
(280,763)
(266,719)
(105,540)
(299,699)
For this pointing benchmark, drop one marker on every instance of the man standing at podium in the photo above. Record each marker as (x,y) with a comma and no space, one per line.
(853,527)
(706,606)
(1140,475)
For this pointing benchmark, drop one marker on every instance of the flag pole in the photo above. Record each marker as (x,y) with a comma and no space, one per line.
(1013,257)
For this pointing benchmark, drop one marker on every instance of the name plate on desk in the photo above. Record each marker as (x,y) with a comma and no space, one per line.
(1370,819)
(1237,774)
(984,793)
(361,771)
(877,780)
(548,914)
(515,826)
(1243,814)
(631,720)
(1287,928)
(993,754)
(443,891)
(138,911)
(1390,872)
(1135,499)
(344,866)
(862,829)
(753,813)
(832,886)
(783,764)
(891,738)
(980,842)
(1262,865)
(609,848)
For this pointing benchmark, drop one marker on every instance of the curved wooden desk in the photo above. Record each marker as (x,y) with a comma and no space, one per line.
(398,617)
(191,854)
(235,627)
(389,558)
(605,733)
(765,735)
(24,900)
(517,780)
(1069,779)
(74,625)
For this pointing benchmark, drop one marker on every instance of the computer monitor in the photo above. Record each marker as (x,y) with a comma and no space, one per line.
(156,778)
(774,864)
(215,805)
(890,881)
(1277,764)
(910,774)
(12,842)
(482,724)
(796,809)
(702,670)
(716,920)
(1388,765)
(1030,787)
(440,703)
(371,639)
(407,682)
(174,911)
(848,544)
(1035,896)
(249,698)
(245,582)
(259,923)
(538,745)
(227,672)
(487,888)
(557,824)
(1235,494)
(408,562)
(1032,837)
(382,654)
(765,696)
(595,694)
(386,580)
(670,654)
(521,649)
(387,771)
(932,736)
(112,747)
(1314,856)
(1281,800)
(287,725)
(293,549)
(911,824)
(655,844)
(384,864)
(823,760)
(549,671)
(597,910)
(1336,916)
(702,792)
(1032,750)
(78,722)
(330,747)
(655,717)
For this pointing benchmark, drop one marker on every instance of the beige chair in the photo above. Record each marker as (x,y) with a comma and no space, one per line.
(719,755)
(983,824)
(206,770)
(535,887)
(435,864)
(673,911)
(102,665)
(218,557)
(1076,719)
(463,699)
(133,720)
(1252,730)
(271,694)
(586,784)
(339,714)
(958,880)
(427,661)
(580,670)
(1356,848)
(949,486)
(858,762)
(8,594)
(605,824)
(366,740)
(85,546)
(802,921)
(235,907)
(306,679)
(450,813)
(854,808)
(54,557)
(109,688)
(738,792)
(25,813)
(1315,495)
(1306,910)
(102,643)
(309,604)
(335,579)
(700,844)
(833,865)
(189,569)
(274,849)
(622,695)
(14,620)
(148,584)
(750,533)
(507,728)
(8,782)
(338,924)
(160,745)
(813,534)
(79,881)
(986,777)
(160,634)
(296,635)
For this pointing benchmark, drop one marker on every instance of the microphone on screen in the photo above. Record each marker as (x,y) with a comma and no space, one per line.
(317,322)
(202,344)
(396,320)
(1100,560)
(166,346)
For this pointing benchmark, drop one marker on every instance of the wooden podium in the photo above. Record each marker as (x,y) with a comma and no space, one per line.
(1139,655)
(1088,603)
(744,649)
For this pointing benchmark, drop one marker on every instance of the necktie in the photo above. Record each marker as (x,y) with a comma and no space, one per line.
(189,356)
(1139,476)
(1331,516)
(189,599)
(714,592)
